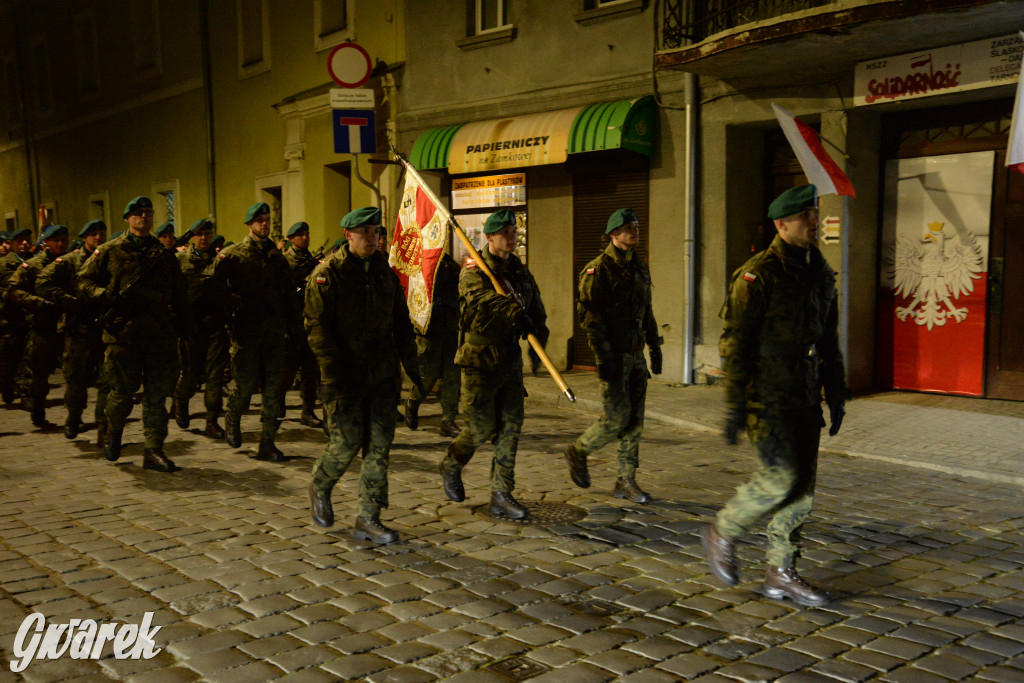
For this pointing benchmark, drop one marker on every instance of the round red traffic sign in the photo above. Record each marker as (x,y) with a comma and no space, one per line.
(349,65)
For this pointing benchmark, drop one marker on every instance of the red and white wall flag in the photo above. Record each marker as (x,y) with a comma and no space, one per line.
(818,166)
(1015,148)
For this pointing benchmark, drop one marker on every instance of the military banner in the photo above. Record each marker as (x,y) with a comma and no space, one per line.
(421,235)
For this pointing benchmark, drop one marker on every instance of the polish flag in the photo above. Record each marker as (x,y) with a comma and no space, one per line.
(421,234)
(1015,149)
(818,166)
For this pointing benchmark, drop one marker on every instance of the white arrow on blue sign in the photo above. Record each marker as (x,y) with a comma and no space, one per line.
(355,131)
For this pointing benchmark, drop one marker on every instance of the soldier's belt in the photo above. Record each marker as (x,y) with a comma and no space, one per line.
(789,350)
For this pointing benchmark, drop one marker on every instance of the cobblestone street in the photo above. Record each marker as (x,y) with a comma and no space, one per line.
(925,565)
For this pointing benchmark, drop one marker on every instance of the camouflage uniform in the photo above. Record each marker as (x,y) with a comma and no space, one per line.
(780,347)
(13,329)
(254,277)
(83,339)
(44,343)
(492,364)
(437,346)
(141,337)
(299,356)
(615,311)
(204,354)
(358,327)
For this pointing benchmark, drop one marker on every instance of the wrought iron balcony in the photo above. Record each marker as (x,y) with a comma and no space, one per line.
(691,21)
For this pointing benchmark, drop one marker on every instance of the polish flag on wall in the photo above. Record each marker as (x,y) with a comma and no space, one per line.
(818,166)
(1015,149)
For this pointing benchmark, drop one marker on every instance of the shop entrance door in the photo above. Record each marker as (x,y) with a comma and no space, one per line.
(1004,358)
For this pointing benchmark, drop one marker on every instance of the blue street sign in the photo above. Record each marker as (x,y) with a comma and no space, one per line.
(354,131)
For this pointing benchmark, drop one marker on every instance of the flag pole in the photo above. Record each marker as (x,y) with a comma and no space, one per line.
(498,287)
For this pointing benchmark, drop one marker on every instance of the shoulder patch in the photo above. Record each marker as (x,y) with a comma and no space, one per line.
(591,271)
(220,256)
(58,260)
(96,252)
(320,280)
(749,277)
(24,265)
(471,263)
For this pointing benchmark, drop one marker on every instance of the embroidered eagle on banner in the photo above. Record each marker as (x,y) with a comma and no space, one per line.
(934,270)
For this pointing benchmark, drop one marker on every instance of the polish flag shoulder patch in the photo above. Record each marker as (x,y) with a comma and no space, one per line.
(58,260)
(320,280)
(95,253)
(749,277)
(590,271)
(24,265)
(221,256)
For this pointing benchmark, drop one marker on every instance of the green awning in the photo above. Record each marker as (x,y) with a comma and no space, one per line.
(624,124)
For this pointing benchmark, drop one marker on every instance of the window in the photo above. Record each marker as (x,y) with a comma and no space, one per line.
(41,87)
(11,221)
(166,203)
(253,37)
(487,23)
(489,15)
(12,91)
(86,54)
(99,206)
(332,22)
(48,212)
(593,11)
(144,20)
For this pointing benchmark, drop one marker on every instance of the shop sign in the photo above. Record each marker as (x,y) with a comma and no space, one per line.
(955,68)
(489,191)
(531,140)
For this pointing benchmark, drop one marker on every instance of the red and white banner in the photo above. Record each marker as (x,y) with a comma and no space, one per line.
(818,166)
(421,235)
(1015,148)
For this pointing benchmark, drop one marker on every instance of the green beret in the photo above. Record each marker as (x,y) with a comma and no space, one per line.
(338,243)
(53,231)
(4,236)
(136,204)
(201,225)
(618,219)
(499,220)
(257,209)
(295,229)
(794,200)
(217,240)
(19,233)
(368,215)
(92,225)
(167,227)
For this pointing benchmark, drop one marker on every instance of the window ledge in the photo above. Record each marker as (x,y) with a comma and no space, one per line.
(501,35)
(593,16)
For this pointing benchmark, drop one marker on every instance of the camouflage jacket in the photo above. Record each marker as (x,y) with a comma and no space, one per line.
(488,338)
(41,313)
(780,345)
(615,304)
(253,279)
(197,267)
(158,310)
(358,324)
(300,265)
(58,282)
(444,312)
(10,316)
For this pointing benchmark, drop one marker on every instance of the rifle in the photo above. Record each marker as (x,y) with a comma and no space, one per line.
(501,286)
(124,297)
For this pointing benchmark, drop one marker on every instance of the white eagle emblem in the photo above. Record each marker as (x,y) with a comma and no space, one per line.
(932,270)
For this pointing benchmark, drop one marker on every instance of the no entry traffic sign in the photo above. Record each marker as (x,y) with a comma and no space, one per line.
(349,65)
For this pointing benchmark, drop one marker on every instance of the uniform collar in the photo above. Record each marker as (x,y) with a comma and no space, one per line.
(622,257)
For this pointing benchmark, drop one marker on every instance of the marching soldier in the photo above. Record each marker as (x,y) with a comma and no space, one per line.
(139,280)
(44,343)
(165,233)
(15,326)
(436,348)
(492,364)
(254,275)
(780,348)
(299,357)
(359,330)
(204,355)
(615,311)
(83,339)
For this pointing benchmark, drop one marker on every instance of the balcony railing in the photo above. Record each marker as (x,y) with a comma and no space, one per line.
(690,21)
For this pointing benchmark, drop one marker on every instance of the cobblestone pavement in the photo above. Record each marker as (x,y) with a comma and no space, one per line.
(925,565)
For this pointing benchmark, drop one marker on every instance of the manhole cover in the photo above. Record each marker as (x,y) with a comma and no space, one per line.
(519,668)
(541,513)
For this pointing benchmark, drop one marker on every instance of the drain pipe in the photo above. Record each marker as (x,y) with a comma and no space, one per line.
(364,181)
(690,234)
(211,159)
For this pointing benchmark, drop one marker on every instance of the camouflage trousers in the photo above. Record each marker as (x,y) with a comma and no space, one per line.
(129,366)
(492,404)
(359,421)
(783,485)
(623,418)
(300,358)
(83,363)
(257,362)
(12,351)
(43,351)
(204,358)
(437,362)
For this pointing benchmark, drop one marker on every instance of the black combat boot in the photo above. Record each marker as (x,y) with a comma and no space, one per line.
(577,466)
(503,504)
(112,445)
(73,425)
(449,428)
(310,419)
(233,430)
(39,416)
(213,430)
(320,503)
(412,414)
(181,416)
(371,529)
(269,452)
(626,487)
(451,482)
(154,459)
(721,555)
(782,583)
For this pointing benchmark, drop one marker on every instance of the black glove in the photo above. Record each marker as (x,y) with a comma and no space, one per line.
(656,359)
(734,425)
(610,371)
(415,378)
(837,412)
(524,326)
